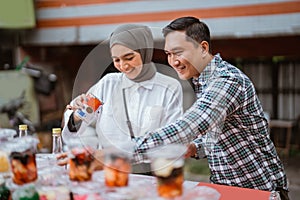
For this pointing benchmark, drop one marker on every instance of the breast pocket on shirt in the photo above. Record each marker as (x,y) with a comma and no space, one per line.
(152,117)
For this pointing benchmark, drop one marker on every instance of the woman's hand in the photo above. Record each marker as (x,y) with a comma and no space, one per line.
(98,161)
(77,104)
(97,164)
(62,159)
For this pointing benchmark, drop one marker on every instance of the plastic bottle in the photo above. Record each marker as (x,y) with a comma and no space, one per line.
(23,130)
(56,141)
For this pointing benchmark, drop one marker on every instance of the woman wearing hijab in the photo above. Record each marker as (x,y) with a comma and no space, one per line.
(137,100)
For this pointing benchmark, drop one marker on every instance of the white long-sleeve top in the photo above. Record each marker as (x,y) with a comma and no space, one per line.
(151,104)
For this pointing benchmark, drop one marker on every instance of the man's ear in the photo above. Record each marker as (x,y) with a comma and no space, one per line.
(205,48)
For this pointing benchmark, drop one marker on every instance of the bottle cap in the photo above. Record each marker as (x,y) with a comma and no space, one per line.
(22,127)
(56,131)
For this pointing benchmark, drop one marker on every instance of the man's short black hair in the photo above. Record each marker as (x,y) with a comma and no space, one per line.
(195,30)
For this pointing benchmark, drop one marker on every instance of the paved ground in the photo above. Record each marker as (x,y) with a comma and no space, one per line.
(292,168)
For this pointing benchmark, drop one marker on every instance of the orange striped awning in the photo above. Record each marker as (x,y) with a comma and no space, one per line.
(85,21)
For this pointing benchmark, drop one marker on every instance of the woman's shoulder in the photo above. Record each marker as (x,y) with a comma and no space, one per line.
(166,79)
(106,85)
(111,77)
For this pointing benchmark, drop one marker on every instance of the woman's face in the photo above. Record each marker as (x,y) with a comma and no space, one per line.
(126,60)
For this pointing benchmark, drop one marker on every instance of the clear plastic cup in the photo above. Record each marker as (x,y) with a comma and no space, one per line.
(80,160)
(5,136)
(117,164)
(4,162)
(27,191)
(22,159)
(167,165)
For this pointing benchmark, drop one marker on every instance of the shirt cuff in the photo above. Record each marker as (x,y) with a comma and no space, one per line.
(200,153)
(72,125)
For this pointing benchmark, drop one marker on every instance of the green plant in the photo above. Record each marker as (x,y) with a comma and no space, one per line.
(197,166)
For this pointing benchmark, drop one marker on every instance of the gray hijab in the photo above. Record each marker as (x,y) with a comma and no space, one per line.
(138,38)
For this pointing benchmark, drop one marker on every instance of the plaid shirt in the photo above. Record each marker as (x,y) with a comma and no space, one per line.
(228,120)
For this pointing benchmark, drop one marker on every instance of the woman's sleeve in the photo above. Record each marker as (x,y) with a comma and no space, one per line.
(70,129)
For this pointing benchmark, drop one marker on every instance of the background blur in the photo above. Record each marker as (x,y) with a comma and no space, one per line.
(46,44)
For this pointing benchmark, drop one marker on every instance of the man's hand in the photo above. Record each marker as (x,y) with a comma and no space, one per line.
(191,150)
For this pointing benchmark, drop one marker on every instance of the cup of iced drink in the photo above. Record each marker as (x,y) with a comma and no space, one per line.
(167,163)
(22,159)
(5,136)
(117,164)
(80,160)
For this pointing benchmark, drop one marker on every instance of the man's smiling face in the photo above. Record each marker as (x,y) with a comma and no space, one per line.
(183,55)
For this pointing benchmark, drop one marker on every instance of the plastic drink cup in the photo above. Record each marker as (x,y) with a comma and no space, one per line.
(22,160)
(5,193)
(91,105)
(4,163)
(167,163)
(5,136)
(23,167)
(80,161)
(80,165)
(117,165)
(25,192)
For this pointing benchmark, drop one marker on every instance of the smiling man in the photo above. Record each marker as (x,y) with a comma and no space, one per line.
(227,118)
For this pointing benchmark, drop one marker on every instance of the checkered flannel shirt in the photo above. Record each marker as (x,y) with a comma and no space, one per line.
(228,121)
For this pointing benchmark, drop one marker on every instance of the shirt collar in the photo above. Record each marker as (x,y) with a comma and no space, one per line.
(127,83)
(208,71)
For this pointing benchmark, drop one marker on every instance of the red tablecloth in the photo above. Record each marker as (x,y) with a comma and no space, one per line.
(232,193)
